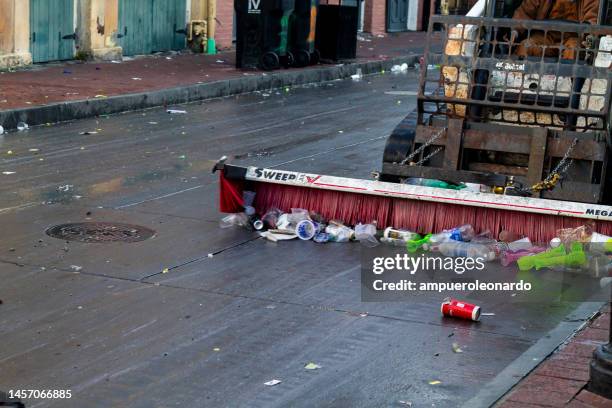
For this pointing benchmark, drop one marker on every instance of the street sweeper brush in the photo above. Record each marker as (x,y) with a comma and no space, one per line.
(416,208)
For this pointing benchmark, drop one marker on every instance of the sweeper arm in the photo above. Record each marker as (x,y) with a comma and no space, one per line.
(416,208)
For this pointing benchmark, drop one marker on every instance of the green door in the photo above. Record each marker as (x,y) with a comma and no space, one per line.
(169,16)
(51,30)
(146,26)
(135,17)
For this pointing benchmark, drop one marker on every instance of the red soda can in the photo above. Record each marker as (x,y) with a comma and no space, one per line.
(458,308)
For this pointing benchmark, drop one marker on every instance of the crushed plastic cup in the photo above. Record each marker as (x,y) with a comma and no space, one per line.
(283,222)
(21,126)
(234,220)
(366,234)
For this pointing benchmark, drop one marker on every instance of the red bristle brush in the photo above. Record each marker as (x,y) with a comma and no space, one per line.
(416,208)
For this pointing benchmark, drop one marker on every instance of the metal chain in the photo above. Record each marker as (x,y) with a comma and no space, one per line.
(422,147)
(429,156)
(557,174)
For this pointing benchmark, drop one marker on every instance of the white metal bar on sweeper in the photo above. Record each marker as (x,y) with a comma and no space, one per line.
(440,195)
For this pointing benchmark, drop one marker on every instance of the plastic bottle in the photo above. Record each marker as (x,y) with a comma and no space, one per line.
(600,243)
(467,250)
(462,233)
(520,244)
(397,237)
(418,181)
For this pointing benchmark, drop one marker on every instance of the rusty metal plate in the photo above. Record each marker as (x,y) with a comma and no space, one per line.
(100,232)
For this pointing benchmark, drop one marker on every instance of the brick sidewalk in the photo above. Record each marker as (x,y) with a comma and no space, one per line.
(59,82)
(560,381)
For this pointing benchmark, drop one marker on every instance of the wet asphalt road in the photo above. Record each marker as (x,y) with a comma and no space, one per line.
(212,330)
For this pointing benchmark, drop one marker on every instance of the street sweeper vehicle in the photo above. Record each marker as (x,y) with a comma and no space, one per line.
(501,139)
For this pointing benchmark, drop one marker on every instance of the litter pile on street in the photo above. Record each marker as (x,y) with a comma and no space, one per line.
(579,247)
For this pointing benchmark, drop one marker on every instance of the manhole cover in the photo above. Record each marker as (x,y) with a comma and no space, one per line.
(100,232)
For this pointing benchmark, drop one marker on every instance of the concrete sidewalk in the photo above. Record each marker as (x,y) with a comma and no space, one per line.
(561,380)
(73,90)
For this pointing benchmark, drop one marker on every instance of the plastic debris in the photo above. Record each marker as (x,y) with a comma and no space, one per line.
(8,173)
(456,348)
(272,383)
(278,235)
(270,218)
(400,68)
(65,188)
(234,220)
(488,314)
(305,230)
(407,403)
(76,268)
(461,309)
(312,366)
(137,79)
(398,237)
(366,234)
(21,126)
(402,93)
(165,270)
(216,349)
(176,111)
(33,150)
(1,130)
(358,75)
(338,232)
(435,382)
(93,132)
(100,96)
(321,238)
(9,152)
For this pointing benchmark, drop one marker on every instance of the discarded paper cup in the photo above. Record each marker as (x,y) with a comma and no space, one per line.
(460,309)
(305,230)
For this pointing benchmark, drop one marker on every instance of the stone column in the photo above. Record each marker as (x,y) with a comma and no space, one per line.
(14,33)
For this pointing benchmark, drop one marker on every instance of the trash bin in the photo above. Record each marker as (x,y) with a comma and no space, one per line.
(337,32)
(303,29)
(262,29)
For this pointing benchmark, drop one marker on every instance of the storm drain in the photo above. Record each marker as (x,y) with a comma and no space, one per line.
(100,232)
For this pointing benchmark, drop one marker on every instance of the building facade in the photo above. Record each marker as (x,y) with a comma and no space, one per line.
(36,31)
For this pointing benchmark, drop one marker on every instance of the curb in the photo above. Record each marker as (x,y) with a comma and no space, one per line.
(81,109)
